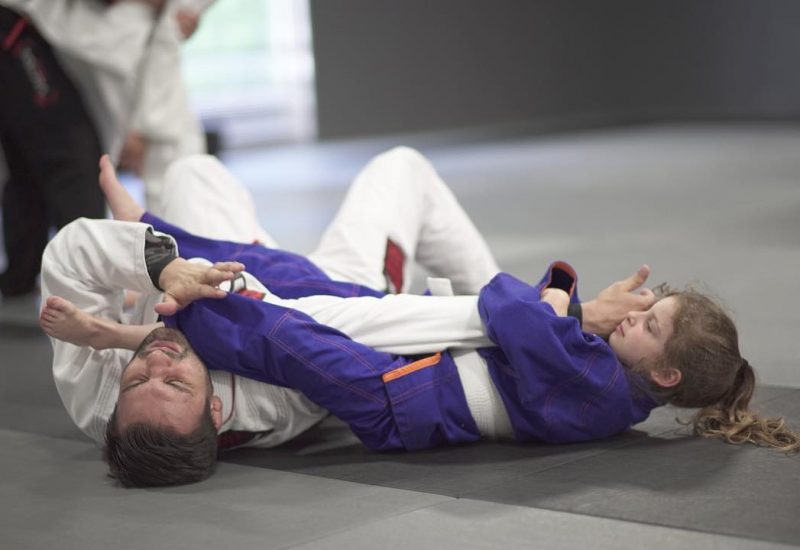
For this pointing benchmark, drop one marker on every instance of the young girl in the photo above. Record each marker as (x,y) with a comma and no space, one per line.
(686,348)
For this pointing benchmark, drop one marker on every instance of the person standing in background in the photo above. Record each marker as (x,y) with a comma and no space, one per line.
(78,76)
(49,142)
(163,126)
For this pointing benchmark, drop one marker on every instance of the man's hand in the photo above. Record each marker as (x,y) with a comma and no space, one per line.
(133,152)
(602,315)
(184,282)
(187,22)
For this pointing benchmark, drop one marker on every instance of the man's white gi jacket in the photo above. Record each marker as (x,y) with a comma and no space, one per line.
(91,263)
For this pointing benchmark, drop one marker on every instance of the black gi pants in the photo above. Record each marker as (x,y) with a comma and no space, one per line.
(51,148)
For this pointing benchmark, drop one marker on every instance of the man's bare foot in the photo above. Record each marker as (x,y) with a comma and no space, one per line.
(62,320)
(122,205)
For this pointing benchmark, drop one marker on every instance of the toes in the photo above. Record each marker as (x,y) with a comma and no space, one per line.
(105,164)
(108,175)
(58,303)
(46,324)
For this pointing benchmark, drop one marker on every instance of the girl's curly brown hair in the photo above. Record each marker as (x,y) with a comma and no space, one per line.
(704,347)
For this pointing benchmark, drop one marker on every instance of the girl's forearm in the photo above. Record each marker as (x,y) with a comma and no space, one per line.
(558,299)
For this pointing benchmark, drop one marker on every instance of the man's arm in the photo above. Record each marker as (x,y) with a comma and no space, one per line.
(91,263)
(408,324)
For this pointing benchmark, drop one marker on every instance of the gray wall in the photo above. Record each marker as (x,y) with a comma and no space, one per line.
(387,66)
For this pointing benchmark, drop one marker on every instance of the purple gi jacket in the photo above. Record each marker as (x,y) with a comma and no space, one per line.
(285,274)
(558,384)
(389,401)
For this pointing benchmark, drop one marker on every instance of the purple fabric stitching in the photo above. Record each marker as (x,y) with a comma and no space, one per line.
(418,389)
(310,364)
(553,392)
(355,354)
(605,390)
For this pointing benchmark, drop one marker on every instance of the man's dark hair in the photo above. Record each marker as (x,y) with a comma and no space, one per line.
(151,456)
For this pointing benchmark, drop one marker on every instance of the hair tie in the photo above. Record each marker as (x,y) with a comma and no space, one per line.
(743,367)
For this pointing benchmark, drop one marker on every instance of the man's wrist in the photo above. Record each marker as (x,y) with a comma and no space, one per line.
(589,321)
(159,251)
(165,276)
(575,310)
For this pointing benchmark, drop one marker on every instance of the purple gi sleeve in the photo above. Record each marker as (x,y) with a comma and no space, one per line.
(286,274)
(287,348)
(193,246)
(558,383)
(273,344)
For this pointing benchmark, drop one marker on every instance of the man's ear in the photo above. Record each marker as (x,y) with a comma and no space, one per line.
(667,377)
(216,411)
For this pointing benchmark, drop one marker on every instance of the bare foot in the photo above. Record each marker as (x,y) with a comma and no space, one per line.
(122,205)
(62,320)
(131,296)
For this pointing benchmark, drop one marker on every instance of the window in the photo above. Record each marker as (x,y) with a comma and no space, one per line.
(249,69)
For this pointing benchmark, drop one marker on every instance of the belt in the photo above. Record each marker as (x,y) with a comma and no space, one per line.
(484,401)
(11,26)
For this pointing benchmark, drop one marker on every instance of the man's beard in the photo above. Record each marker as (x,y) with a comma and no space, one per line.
(167,335)
(172,335)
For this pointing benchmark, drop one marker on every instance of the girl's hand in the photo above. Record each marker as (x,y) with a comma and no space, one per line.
(558,299)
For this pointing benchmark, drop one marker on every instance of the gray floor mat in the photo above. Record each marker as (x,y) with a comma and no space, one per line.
(654,474)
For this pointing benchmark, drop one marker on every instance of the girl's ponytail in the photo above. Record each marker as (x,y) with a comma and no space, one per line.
(732,421)
(704,346)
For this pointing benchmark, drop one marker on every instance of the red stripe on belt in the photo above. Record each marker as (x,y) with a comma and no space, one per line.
(255,294)
(14,33)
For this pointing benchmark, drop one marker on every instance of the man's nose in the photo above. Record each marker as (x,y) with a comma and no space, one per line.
(158,359)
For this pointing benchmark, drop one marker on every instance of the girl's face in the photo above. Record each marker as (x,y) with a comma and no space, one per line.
(642,335)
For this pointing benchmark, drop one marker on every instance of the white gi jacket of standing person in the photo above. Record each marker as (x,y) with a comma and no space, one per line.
(162,112)
(92,262)
(101,48)
(114,54)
